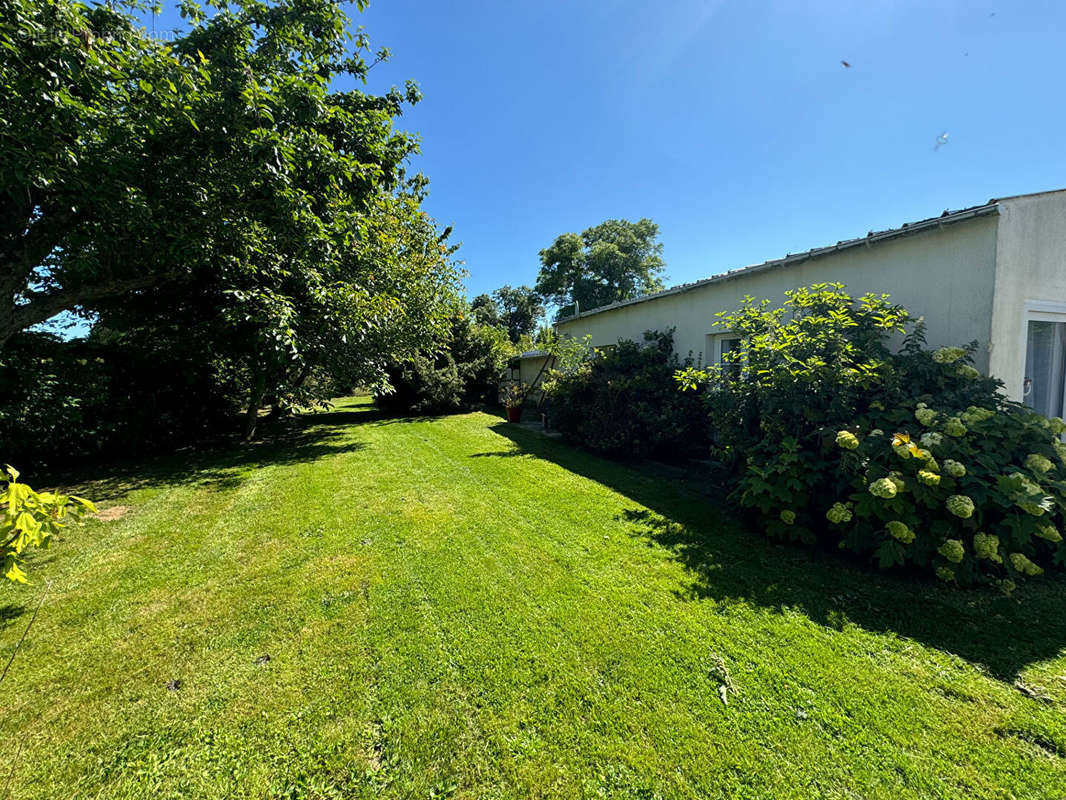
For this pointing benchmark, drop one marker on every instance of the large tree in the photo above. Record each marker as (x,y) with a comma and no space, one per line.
(220,170)
(485,311)
(322,327)
(521,309)
(615,260)
(223,155)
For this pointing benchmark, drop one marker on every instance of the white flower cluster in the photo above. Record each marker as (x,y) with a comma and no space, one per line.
(973,415)
(839,513)
(1024,565)
(954,468)
(931,439)
(948,355)
(960,505)
(883,487)
(924,414)
(987,546)
(899,531)
(953,550)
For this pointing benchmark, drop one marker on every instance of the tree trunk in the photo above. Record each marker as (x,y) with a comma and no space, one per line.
(255,401)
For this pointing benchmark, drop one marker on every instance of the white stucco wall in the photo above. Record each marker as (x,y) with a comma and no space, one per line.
(944,274)
(531,370)
(1030,276)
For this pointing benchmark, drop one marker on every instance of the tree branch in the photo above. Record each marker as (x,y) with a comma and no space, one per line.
(46,306)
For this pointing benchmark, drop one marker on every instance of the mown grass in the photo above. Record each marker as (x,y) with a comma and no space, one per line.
(460,607)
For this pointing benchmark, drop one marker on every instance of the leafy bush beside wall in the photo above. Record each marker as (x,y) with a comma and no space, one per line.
(910,457)
(623,402)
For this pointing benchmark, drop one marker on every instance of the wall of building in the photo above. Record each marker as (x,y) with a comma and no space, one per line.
(1030,276)
(944,274)
(530,370)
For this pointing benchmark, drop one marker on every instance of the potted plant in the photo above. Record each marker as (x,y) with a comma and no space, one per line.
(512,396)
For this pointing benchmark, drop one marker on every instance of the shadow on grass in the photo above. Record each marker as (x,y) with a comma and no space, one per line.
(9,613)
(732,565)
(502,454)
(225,465)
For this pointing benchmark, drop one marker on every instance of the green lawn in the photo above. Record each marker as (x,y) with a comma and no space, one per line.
(460,607)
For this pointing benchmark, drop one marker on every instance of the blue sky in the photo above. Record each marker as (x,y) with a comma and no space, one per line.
(733,125)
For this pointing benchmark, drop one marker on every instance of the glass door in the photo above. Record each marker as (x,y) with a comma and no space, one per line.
(1045,367)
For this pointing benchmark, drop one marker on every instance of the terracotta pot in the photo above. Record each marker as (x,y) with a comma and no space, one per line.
(514,414)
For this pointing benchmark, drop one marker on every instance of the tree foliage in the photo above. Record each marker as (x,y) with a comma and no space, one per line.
(216,179)
(485,311)
(521,310)
(615,260)
(462,373)
(30,519)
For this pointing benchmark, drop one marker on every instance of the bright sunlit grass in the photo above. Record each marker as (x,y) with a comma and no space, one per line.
(459,607)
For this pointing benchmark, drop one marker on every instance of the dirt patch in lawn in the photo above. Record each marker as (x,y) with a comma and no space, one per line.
(112,513)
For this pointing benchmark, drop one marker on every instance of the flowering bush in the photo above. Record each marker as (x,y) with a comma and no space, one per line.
(911,458)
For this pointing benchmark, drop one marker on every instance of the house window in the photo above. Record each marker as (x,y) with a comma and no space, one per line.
(1045,365)
(727,344)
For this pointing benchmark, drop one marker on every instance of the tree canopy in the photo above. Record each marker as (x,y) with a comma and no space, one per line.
(219,170)
(615,260)
(484,310)
(521,309)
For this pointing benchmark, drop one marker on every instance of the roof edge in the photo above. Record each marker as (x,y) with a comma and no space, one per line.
(947,218)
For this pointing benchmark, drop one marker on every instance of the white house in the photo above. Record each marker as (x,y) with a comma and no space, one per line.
(995,273)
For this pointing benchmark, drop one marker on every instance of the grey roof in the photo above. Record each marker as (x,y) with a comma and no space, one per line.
(533,354)
(907,228)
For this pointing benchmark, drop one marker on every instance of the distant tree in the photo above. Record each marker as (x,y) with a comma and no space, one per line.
(521,309)
(485,311)
(463,373)
(544,337)
(615,260)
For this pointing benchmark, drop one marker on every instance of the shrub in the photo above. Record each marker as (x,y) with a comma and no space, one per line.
(463,373)
(910,458)
(513,394)
(31,519)
(62,402)
(623,402)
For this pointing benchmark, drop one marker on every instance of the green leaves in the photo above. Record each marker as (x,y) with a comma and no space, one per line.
(930,459)
(219,182)
(30,519)
(615,260)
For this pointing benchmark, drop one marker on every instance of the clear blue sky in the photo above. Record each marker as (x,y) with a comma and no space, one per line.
(733,125)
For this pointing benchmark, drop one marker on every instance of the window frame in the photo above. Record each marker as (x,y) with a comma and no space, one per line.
(715,347)
(1042,311)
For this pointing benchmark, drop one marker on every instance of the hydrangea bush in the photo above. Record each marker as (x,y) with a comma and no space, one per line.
(910,457)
